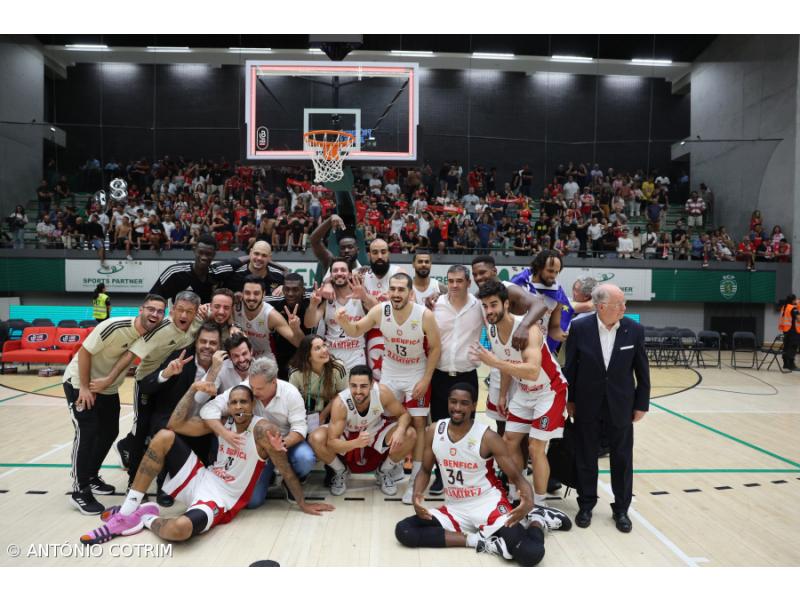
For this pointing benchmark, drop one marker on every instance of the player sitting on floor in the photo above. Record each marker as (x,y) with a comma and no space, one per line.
(476,513)
(213,495)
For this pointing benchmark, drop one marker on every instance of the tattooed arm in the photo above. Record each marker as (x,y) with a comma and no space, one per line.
(270,445)
(180,422)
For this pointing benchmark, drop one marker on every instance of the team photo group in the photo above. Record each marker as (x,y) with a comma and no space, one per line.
(245,378)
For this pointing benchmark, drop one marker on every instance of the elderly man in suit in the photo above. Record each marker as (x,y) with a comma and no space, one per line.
(609,381)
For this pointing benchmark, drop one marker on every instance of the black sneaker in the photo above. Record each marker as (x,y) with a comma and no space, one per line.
(329,473)
(437,488)
(124,454)
(85,502)
(100,487)
(164,499)
(553,485)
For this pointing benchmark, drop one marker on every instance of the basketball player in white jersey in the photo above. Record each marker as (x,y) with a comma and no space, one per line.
(360,438)
(321,314)
(257,319)
(214,494)
(426,289)
(476,513)
(536,404)
(406,371)
(375,282)
(521,302)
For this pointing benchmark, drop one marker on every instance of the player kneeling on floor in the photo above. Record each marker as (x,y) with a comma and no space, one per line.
(214,494)
(476,513)
(360,438)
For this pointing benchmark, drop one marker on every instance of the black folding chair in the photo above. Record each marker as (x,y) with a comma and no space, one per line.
(671,347)
(775,349)
(68,323)
(709,341)
(42,323)
(88,323)
(689,346)
(744,342)
(652,345)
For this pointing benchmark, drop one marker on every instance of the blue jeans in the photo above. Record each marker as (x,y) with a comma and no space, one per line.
(302,460)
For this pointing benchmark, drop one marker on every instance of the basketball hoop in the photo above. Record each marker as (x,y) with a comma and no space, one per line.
(329,149)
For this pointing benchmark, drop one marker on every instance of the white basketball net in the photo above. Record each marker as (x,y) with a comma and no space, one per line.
(329,149)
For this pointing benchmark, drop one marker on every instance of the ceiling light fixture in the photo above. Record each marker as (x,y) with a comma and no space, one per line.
(495,55)
(251,50)
(573,59)
(412,52)
(169,49)
(654,62)
(88,47)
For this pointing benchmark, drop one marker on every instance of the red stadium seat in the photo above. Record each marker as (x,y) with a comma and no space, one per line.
(48,345)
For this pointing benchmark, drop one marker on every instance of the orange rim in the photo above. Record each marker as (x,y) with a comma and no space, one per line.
(331,149)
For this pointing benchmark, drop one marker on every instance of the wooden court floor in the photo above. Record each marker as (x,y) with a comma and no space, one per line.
(717,483)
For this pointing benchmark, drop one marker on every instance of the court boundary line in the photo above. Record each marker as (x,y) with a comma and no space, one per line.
(689,561)
(727,435)
(55,448)
(23,392)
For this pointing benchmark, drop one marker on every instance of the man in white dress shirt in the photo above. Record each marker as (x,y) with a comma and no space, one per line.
(460,319)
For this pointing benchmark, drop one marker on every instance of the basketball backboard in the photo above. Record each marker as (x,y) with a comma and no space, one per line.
(376,102)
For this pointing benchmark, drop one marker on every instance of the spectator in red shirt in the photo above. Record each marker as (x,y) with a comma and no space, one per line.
(746,253)
(224,239)
(239,211)
(246,234)
(395,244)
(784,252)
(475,179)
(755,219)
(374,216)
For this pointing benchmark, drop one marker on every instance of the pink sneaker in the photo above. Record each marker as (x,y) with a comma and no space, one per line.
(119,524)
(109,512)
(148,508)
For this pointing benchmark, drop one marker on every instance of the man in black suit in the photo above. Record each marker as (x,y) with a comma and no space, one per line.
(604,352)
(166,386)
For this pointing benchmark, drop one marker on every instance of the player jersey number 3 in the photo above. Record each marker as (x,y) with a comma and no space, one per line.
(403,343)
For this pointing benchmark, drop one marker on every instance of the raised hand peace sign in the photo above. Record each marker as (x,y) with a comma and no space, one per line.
(175,367)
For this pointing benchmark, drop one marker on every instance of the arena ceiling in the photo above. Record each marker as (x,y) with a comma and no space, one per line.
(678,48)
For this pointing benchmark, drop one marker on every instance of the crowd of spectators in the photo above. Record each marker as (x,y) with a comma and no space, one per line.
(582,211)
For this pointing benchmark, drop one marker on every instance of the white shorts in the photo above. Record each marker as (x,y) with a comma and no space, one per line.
(540,416)
(492,411)
(198,488)
(350,358)
(402,387)
(469,517)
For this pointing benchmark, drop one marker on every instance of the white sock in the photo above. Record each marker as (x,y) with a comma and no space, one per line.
(337,465)
(539,499)
(132,502)
(147,520)
(472,540)
(512,492)
(415,468)
(388,465)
